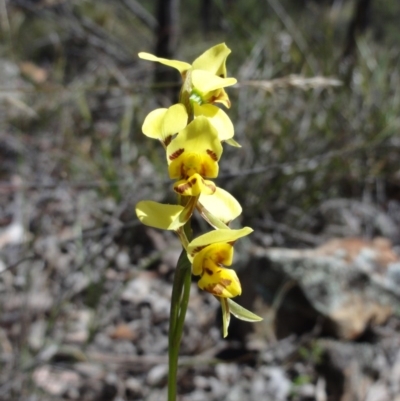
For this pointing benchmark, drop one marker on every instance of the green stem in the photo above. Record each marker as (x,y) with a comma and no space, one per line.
(183,276)
(179,303)
(187,280)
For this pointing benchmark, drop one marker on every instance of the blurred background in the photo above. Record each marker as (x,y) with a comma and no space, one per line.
(84,288)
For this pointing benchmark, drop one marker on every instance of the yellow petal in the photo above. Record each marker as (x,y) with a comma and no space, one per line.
(218,118)
(181,66)
(198,137)
(222,205)
(220,253)
(165,217)
(152,125)
(192,163)
(218,96)
(175,119)
(163,123)
(233,143)
(220,282)
(194,186)
(205,81)
(196,149)
(212,237)
(213,60)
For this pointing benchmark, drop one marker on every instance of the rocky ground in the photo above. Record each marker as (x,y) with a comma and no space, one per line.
(85,296)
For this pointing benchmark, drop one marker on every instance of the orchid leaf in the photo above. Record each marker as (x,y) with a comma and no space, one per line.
(226,316)
(242,313)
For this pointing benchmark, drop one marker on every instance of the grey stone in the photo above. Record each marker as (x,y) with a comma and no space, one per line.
(157,375)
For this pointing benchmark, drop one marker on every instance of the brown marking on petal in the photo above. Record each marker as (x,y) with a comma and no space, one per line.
(176,154)
(218,288)
(183,172)
(198,249)
(218,258)
(214,289)
(209,271)
(212,155)
(225,282)
(202,170)
(181,188)
(167,140)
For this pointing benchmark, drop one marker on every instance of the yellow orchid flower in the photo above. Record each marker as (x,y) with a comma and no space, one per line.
(206,76)
(209,253)
(192,156)
(163,123)
(215,278)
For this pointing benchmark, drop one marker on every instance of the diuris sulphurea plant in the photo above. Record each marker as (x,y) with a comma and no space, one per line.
(193,133)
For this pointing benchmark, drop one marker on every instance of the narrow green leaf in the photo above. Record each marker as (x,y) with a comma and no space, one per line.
(226,316)
(83,107)
(242,313)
